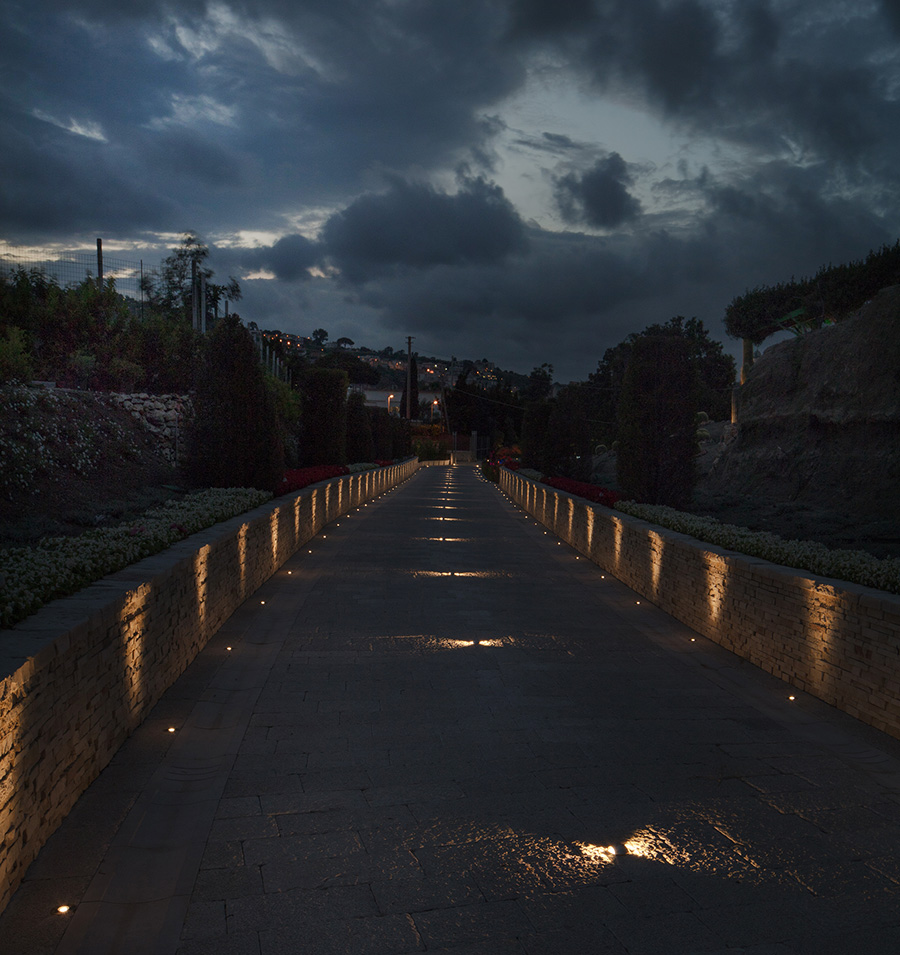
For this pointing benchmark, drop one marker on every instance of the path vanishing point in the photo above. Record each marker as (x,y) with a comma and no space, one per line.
(436,729)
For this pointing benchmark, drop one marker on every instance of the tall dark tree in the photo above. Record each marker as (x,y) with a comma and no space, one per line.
(569,440)
(360,444)
(172,290)
(536,452)
(234,440)
(323,418)
(358,371)
(657,432)
(382,434)
(540,382)
(715,372)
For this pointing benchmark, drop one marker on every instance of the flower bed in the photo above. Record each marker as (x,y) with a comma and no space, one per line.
(599,495)
(855,566)
(60,566)
(298,478)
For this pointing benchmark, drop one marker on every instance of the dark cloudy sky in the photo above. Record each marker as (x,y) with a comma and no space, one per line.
(523,180)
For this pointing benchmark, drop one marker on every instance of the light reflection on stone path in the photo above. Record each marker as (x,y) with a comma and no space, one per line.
(474,745)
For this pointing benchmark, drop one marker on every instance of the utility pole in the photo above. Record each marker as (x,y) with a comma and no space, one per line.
(409,341)
(195,315)
(99,263)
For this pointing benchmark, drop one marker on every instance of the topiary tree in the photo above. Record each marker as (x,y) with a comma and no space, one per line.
(401,438)
(380,426)
(657,431)
(536,452)
(323,419)
(234,440)
(360,445)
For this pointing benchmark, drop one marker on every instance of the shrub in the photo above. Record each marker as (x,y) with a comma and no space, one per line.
(15,362)
(427,450)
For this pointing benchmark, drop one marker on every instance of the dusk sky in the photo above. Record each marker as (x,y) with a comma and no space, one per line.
(522,180)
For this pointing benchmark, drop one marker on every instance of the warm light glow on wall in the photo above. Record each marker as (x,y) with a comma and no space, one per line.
(716,576)
(273,534)
(657,546)
(617,540)
(824,615)
(242,558)
(131,633)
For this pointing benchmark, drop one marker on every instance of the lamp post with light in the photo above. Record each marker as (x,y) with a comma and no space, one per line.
(389,403)
(433,404)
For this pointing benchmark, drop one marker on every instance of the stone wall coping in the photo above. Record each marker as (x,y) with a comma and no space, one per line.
(869,597)
(38,636)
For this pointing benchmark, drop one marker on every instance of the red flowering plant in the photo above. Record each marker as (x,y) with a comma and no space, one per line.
(507,457)
(593,492)
(298,478)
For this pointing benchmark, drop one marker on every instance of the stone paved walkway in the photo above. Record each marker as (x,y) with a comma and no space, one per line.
(436,729)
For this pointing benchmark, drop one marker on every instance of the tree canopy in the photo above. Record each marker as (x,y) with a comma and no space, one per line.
(833,293)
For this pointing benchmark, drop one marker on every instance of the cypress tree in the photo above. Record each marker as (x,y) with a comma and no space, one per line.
(380,426)
(360,445)
(657,434)
(234,440)
(323,416)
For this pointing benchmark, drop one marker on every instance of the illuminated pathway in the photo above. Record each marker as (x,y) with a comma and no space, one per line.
(438,730)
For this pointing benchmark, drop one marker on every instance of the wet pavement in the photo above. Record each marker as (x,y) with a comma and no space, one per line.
(437,729)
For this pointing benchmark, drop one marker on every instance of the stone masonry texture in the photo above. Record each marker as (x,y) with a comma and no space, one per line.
(832,639)
(80,675)
(438,727)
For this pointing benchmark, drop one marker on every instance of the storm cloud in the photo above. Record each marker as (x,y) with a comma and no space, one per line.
(416,226)
(598,196)
(376,168)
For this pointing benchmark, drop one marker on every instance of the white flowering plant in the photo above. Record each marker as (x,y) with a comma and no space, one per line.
(61,566)
(44,432)
(855,566)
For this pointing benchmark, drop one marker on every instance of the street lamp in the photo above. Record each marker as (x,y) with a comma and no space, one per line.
(433,403)
(389,403)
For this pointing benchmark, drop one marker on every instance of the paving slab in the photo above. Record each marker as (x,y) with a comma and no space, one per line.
(438,729)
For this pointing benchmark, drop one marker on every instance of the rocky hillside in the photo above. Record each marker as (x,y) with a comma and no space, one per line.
(817,452)
(71,460)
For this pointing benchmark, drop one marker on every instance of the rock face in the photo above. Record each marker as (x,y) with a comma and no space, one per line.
(164,415)
(817,453)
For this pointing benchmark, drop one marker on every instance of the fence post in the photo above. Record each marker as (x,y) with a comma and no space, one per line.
(203,303)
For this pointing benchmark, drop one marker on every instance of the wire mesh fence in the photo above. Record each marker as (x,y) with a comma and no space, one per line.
(72,268)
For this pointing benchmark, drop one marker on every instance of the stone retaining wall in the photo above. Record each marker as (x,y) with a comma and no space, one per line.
(835,640)
(80,675)
(164,415)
